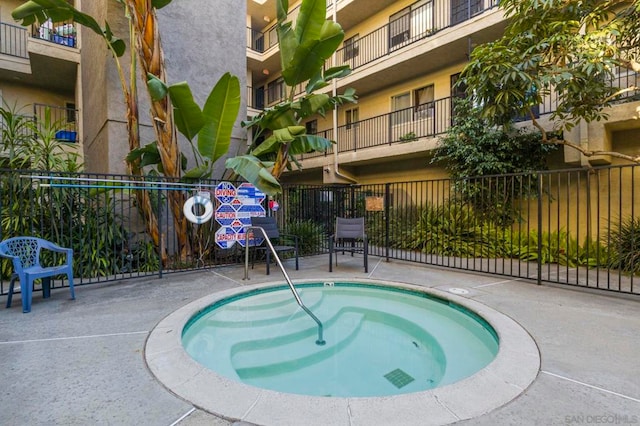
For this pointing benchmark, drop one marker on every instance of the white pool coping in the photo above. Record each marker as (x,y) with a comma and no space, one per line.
(515,367)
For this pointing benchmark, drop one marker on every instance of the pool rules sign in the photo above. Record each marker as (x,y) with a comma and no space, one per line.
(234,209)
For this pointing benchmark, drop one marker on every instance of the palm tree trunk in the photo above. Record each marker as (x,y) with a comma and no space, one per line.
(145,25)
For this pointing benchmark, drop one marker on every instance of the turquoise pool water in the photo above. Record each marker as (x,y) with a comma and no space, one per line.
(380,340)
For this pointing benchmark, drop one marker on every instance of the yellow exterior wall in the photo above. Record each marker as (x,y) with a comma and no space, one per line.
(376,21)
(26,96)
(380,103)
(6,7)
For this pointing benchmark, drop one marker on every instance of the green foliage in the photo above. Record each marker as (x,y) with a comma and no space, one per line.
(54,214)
(472,148)
(572,48)
(16,134)
(303,52)
(456,229)
(30,144)
(312,236)
(411,136)
(625,246)
(213,124)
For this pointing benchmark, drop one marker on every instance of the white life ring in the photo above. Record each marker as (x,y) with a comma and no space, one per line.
(204,202)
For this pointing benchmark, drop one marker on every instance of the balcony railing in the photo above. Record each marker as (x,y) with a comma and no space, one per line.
(402,126)
(434,118)
(63,119)
(261,41)
(63,32)
(419,23)
(13,40)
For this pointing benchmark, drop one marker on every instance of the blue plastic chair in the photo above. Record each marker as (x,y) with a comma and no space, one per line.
(24,252)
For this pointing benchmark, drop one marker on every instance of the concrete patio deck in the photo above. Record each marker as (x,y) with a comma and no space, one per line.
(82,362)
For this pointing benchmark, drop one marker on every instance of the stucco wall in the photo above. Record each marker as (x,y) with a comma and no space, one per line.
(202,41)
(200,44)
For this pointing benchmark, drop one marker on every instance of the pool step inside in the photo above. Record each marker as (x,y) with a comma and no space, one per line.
(296,350)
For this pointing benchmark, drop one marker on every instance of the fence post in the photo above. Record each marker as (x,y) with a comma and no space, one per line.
(387,198)
(539,228)
(160,239)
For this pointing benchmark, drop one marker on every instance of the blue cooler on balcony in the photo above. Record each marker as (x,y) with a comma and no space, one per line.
(66,135)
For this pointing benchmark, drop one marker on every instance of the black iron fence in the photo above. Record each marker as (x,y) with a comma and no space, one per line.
(576,227)
(101,217)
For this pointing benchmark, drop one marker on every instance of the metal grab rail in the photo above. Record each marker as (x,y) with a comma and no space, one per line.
(320,340)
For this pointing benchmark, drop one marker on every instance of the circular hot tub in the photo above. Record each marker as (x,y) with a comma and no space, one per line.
(393,351)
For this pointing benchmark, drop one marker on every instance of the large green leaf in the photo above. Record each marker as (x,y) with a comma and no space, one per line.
(203,171)
(279,137)
(282,9)
(159,4)
(277,117)
(312,104)
(220,113)
(148,155)
(255,172)
(288,44)
(310,20)
(320,80)
(188,117)
(310,57)
(157,89)
(309,143)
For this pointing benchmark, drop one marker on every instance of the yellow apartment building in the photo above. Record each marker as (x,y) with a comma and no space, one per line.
(405,57)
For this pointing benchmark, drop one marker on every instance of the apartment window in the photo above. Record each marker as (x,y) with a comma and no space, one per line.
(275,90)
(411,23)
(458,91)
(458,88)
(258,95)
(461,10)
(352,117)
(258,41)
(421,19)
(351,48)
(401,109)
(71,112)
(423,101)
(399,28)
(312,127)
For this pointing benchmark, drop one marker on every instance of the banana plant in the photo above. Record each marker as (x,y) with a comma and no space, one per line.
(303,53)
(212,125)
(60,10)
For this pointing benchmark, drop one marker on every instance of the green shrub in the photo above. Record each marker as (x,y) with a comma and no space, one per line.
(311,236)
(624,246)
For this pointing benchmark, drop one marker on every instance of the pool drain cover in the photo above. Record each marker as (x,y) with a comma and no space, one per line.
(399,378)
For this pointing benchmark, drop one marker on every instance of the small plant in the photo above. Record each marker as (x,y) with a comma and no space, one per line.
(624,246)
(411,136)
(311,235)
